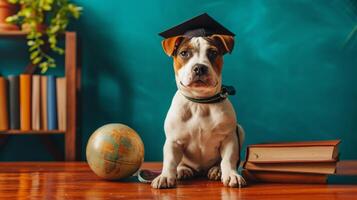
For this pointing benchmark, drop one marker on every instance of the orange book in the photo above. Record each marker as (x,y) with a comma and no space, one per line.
(309,167)
(61,103)
(4,120)
(284,177)
(35,102)
(25,102)
(44,125)
(311,151)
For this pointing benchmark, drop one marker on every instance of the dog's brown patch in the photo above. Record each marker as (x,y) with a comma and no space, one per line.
(186,115)
(217,62)
(179,61)
(205,112)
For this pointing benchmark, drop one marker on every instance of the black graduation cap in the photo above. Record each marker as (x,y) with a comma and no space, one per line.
(202,25)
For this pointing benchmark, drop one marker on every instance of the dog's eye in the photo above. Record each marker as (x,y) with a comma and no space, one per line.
(212,54)
(184,54)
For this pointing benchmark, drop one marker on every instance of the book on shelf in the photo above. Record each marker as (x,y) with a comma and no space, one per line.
(44,116)
(14,102)
(32,103)
(36,102)
(4,121)
(51,103)
(25,102)
(61,103)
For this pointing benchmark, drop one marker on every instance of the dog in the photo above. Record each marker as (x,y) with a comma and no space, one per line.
(201,138)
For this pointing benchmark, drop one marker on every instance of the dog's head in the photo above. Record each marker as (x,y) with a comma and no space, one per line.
(198,62)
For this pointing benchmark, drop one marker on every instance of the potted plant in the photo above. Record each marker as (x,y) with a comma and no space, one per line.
(7,9)
(44,20)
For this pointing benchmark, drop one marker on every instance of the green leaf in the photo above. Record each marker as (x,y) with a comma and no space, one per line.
(34,54)
(33,48)
(12,19)
(30,43)
(44,67)
(36,60)
(13,1)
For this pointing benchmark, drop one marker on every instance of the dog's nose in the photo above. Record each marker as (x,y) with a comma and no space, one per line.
(200,69)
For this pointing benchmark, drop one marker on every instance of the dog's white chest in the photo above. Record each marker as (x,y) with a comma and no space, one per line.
(199,129)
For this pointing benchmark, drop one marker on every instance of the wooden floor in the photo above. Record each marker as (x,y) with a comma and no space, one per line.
(38,180)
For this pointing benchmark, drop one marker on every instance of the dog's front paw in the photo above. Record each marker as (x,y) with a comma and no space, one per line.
(184,172)
(163,181)
(233,179)
(214,173)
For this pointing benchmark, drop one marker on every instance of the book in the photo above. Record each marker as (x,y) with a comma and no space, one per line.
(4,119)
(25,102)
(61,103)
(35,102)
(14,102)
(311,151)
(284,177)
(310,167)
(44,116)
(51,103)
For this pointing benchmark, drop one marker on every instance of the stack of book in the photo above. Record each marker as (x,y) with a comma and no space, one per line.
(294,162)
(32,102)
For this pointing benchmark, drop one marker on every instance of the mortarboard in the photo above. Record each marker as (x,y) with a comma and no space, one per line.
(202,25)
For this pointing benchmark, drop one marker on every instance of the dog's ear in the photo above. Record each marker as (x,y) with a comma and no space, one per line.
(171,44)
(226,41)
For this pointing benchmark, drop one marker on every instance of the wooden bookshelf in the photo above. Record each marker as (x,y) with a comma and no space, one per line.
(32,132)
(72,74)
(13,33)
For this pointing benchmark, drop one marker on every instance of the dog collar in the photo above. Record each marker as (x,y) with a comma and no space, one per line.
(222,95)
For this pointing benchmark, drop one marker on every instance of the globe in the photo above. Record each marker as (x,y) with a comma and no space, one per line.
(115,151)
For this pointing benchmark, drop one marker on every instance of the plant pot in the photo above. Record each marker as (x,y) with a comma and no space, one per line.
(6,10)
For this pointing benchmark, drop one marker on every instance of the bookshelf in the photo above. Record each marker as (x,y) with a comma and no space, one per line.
(72,74)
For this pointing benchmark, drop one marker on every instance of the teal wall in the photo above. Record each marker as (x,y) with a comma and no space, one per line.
(294,76)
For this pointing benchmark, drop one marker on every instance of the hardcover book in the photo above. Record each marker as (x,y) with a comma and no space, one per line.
(51,103)
(310,167)
(311,151)
(35,102)
(284,177)
(25,102)
(61,103)
(4,119)
(14,102)
(44,116)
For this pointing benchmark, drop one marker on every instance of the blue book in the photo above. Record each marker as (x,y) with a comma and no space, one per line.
(51,103)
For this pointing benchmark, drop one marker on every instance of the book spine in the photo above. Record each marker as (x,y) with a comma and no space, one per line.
(35,102)
(284,177)
(318,168)
(61,103)
(14,102)
(4,121)
(44,116)
(51,103)
(25,102)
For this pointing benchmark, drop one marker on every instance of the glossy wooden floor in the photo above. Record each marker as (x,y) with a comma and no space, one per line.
(40,180)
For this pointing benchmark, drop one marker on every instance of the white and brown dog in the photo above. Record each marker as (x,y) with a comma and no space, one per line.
(201,138)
